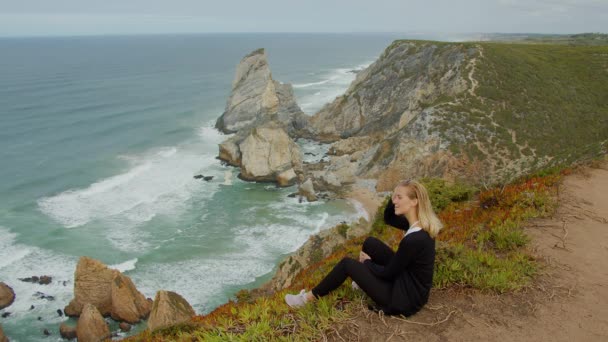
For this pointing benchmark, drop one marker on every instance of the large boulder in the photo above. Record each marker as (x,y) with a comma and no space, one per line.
(267,152)
(169,309)
(92,284)
(230,152)
(67,332)
(7,296)
(255,95)
(91,325)
(110,291)
(287,178)
(128,304)
(307,190)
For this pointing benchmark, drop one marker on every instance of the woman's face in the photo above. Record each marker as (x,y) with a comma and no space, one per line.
(403,204)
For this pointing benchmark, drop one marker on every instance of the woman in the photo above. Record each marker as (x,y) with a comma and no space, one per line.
(399,282)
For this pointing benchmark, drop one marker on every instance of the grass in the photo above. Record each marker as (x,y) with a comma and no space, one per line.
(482,246)
(543,105)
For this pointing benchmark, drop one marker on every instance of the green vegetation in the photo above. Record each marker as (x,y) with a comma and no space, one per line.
(566,39)
(442,193)
(542,105)
(482,246)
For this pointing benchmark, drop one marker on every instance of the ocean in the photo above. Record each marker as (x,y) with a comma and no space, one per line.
(100,138)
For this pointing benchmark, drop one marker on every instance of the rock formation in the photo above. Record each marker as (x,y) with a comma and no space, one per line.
(256,96)
(265,153)
(42,280)
(111,292)
(92,284)
(264,115)
(91,325)
(383,121)
(7,296)
(307,190)
(128,304)
(314,250)
(67,332)
(169,308)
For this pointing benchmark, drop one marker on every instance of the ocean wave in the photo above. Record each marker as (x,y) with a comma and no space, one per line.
(158,183)
(20,261)
(128,265)
(332,84)
(306,85)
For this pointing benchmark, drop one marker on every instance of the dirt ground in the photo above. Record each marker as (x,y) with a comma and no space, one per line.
(568,301)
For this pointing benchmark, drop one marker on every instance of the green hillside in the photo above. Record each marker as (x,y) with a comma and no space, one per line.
(546,104)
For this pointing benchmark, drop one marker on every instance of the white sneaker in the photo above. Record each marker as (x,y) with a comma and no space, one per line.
(355,286)
(296,301)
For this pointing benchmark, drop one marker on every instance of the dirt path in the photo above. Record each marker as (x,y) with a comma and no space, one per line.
(569,301)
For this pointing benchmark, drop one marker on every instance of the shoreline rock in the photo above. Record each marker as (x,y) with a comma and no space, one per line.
(42,280)
(91,325)
(7,296)
(67,332)
(110,291)
(169,309)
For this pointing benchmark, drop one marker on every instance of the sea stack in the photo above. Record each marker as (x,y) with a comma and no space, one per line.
(257,96)
(265,117)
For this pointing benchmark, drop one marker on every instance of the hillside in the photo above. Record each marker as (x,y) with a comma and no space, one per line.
(488,112)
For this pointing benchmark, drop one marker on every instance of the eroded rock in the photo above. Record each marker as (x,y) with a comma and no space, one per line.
(169,309)
(110,291)
(128,304)
(255,95)
(307,190)
(91,325)
(267,152)
(7,296)
(67,332)
(92,284)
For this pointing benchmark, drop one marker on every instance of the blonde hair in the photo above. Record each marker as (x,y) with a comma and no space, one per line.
(427,218)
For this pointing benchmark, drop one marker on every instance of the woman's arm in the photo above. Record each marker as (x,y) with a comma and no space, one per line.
(405,255)
(394,220)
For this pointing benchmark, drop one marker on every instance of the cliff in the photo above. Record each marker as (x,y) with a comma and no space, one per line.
(483,112)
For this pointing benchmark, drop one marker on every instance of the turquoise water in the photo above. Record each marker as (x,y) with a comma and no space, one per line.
(100,138)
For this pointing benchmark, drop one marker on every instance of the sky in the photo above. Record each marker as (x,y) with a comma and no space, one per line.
(95,17)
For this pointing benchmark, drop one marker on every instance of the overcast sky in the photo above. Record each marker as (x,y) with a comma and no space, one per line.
(85,17)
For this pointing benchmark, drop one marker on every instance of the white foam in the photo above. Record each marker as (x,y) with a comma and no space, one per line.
(128,265)
(161,183)
(306,85)
(36,262)
(9,253)
(211,135)
(331,84)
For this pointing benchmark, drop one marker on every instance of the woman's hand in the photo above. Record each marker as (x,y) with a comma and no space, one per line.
(363,256)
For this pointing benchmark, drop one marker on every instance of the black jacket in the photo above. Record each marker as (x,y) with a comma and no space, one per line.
(410,269)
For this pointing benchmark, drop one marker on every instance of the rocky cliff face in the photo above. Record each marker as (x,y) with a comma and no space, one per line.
(481,112)
(382,127)
(393,90)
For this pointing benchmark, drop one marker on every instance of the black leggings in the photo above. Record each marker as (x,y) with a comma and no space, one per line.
(376,288)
